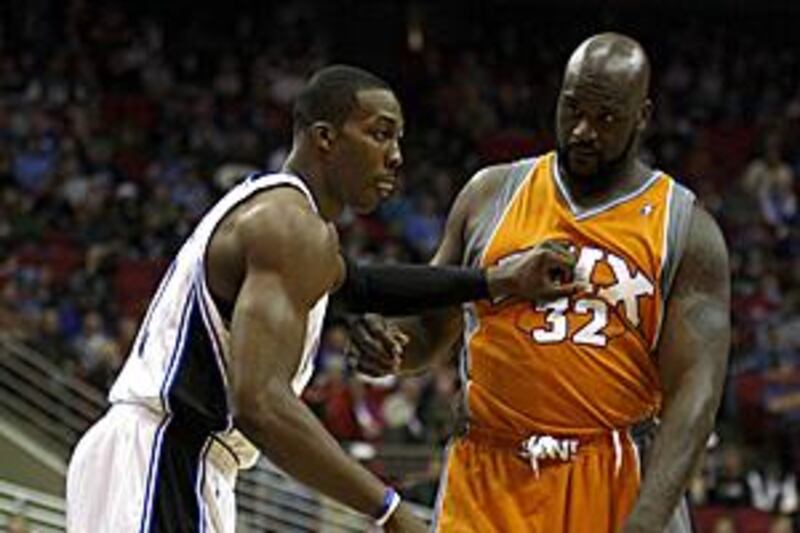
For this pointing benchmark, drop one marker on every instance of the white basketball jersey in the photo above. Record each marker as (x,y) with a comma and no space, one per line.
(178,363)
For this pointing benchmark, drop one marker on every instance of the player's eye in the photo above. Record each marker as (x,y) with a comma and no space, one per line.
(571,107)
(608,118)
(381,135)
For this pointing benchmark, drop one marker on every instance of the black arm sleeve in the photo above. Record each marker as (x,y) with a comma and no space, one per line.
(409,289)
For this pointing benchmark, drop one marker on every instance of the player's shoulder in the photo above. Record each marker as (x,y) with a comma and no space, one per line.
(489,180)
(490,177)
(282,224)
(705,263)
(705,235)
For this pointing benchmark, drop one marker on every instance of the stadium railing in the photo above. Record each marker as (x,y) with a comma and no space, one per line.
(37,391)
(44,513)
(62,407)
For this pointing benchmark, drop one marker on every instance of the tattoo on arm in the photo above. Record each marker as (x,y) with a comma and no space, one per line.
(692,356)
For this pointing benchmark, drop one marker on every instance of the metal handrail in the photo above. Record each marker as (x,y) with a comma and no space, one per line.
(94,399)
(44,511)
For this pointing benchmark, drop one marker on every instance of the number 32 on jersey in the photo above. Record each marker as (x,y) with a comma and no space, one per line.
(615,288)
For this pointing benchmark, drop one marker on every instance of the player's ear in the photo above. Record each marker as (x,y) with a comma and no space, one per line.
(323,133)
(645,112)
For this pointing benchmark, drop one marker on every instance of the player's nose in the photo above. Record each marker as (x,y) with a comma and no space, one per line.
(583,131)
(394,158)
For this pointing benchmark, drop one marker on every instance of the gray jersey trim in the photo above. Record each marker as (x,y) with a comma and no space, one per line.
(492,213)
(581,213)
(488,220)
(679,216)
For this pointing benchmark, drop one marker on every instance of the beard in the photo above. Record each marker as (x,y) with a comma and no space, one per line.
(607,169)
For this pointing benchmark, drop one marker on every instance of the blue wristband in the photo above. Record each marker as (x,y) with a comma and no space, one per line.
(391,500)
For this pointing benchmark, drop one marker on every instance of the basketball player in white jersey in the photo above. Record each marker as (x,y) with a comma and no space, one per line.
(227,344)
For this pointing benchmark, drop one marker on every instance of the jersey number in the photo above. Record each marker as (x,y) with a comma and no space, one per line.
(557,328)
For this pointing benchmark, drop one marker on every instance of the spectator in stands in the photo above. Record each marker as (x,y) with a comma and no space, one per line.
(782,403)
(781,524)
(50,340)
(99,353)
(401,422)
(423,227)
(731,488)
(771,180)
(773,490)
(725,524)
(439,404)
(330,398)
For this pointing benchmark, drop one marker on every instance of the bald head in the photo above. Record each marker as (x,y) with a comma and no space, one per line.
(603,108)
(614,58)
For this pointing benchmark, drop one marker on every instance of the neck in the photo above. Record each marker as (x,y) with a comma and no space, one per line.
(619,181)
(310,171)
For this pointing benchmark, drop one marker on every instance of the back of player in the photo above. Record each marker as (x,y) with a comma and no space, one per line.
(555,390)
(165,455)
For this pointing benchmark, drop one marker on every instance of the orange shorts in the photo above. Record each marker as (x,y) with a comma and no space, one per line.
(488,486)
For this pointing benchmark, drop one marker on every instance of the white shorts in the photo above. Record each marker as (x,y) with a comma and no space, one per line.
(136,471)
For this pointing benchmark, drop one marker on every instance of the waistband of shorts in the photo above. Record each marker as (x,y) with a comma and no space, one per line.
(515,442)
(223,458)
(218,453)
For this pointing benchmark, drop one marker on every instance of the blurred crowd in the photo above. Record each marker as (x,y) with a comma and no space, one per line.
(117,132)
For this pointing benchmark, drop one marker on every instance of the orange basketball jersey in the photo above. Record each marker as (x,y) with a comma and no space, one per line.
(581,364)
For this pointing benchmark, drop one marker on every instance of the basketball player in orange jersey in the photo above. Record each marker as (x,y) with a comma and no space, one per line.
(585,413)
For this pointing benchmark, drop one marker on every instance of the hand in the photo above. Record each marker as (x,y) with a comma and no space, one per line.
(404,521)
(376,346)
(542,273)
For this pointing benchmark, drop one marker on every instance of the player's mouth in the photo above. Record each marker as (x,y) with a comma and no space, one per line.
(583,153)
(386,186)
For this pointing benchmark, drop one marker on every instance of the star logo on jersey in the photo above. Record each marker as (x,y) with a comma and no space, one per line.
(646,210)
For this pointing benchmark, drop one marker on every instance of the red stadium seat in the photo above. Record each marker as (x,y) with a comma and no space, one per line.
(134,283)
(752,521)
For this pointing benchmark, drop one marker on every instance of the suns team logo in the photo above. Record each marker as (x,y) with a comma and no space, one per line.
(616,288)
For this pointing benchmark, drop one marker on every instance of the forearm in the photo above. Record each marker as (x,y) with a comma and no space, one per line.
(678,445)
(396,290)
(288,433)
(432,336)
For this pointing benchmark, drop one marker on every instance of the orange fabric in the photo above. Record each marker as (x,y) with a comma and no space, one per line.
(491,489)
(581,365)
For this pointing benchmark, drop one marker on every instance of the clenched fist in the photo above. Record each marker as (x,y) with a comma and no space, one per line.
(539,274)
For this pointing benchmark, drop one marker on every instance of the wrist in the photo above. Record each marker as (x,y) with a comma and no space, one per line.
(642,521)
(389,506)
(498,285)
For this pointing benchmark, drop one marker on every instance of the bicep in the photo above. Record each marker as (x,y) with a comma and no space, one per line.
(287,268)
(267,331)
(693,349)
(451,248)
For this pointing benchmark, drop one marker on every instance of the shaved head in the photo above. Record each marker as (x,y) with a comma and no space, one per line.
(613,56)
(603,109)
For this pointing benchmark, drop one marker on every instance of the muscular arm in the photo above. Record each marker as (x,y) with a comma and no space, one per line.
(434,333)
(692,356)
(286,273)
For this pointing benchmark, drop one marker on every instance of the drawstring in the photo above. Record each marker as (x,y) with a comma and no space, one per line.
(617,451)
